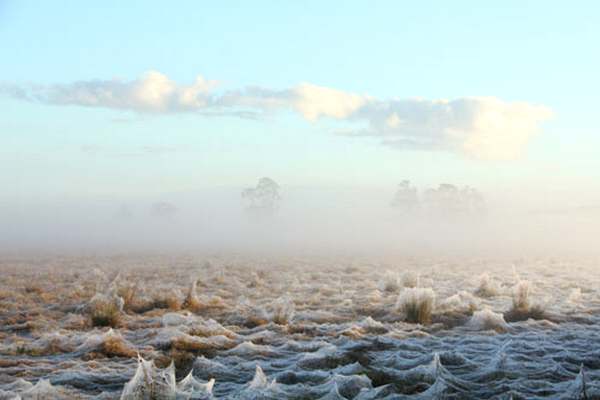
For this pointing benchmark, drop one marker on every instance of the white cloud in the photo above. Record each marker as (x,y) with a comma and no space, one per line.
(315,101)
(310,101)
(153,92)
(501,130)
(480,127)
(393,121)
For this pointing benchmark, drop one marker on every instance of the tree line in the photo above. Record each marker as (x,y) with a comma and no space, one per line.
(444,201)
(447,200)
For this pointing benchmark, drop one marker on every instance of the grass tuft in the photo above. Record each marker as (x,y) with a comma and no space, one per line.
(105,313)
(522,309)
(416,304)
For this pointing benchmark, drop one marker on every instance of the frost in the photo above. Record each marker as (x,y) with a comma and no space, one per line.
(486,319)
(416,304)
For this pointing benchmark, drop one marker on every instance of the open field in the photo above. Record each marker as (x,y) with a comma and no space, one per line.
(137,327)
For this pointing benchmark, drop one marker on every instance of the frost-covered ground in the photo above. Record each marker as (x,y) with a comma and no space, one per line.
(328,328)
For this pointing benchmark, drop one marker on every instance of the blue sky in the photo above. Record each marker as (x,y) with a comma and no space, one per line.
(537,52)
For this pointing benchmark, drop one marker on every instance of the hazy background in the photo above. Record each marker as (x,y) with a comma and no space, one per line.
(350,221)
(107,109)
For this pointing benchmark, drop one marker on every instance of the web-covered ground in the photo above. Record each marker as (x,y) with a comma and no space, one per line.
(249,328)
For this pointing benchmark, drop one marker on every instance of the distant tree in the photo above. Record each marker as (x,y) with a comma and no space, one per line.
(163,209)
(264,198)
(406,198)
(448,200)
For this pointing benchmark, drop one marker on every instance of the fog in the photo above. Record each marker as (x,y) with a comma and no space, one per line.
(306,220)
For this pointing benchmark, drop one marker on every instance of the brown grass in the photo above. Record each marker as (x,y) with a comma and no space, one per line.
(33,289)
(523,314)
(417,305)
(522,309)
(128,293)
(115,347)
(191,301)
(105,314)
(168,301)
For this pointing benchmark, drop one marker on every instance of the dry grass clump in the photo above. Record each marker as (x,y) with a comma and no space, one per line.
(194,303)
(114,346)
(416,304)
(283,311)
(169,300)
(391,286)
(142,305)
(128,294)
(254,320)
(32,288)
(487,287)
(167,303)
(522,309)
(251,315)
(135,301)
(520,298)
(105,313)
(390,283)
(191,301)
(189,344)
(533,312)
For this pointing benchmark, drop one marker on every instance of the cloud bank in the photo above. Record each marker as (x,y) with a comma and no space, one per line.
(479,127)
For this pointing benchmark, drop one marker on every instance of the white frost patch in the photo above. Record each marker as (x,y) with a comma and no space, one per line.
(461,302)
(42,390)
(260,380)
(148,383)
(486,319)
(191,388)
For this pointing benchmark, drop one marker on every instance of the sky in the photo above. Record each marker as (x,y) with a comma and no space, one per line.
(135,99)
